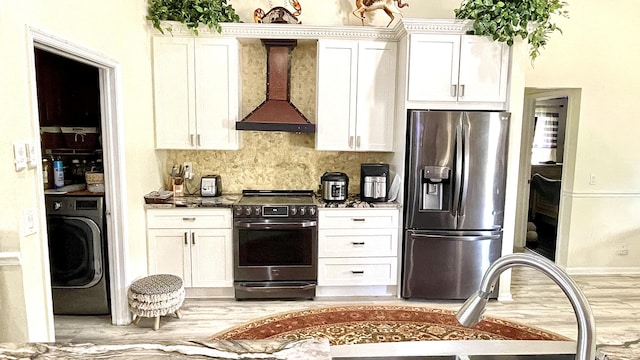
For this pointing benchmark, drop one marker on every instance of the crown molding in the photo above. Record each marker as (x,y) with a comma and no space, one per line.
(248,32)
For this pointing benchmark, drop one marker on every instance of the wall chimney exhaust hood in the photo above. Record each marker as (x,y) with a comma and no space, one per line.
(277,113)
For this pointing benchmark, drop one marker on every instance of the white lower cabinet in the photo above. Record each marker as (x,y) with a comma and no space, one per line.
(194,244)
(357,247)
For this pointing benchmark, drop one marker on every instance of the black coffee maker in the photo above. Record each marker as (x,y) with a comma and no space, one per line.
(374,180)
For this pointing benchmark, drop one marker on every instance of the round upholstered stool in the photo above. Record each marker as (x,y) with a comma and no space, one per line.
(155,296)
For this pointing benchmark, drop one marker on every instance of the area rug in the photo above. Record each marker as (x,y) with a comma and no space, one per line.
(359,324)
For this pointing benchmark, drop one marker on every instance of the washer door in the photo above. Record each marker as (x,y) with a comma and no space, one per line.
(75,252)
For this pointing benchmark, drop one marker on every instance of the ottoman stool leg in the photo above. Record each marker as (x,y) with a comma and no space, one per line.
(136,319)
(178,314)
(156,324)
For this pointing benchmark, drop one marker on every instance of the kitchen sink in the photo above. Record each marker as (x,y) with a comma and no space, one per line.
(452,350)
(472,357)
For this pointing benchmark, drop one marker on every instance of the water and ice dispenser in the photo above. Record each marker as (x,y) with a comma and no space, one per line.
(435,187)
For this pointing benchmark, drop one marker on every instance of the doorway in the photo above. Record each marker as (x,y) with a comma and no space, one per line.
(550,127)
(113,155)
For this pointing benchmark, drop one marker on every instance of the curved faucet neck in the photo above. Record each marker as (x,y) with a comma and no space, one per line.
(586,341)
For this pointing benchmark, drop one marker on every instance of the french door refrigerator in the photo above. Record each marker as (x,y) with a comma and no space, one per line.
(455,178)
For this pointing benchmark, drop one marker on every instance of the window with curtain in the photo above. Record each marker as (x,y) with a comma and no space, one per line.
(545,138)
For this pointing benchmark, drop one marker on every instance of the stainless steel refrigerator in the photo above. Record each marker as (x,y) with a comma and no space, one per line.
(455,178)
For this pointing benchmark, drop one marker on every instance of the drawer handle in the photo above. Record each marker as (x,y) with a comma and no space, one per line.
(358,219)
(186,240)
(189,219)
(357,271)
(357,243)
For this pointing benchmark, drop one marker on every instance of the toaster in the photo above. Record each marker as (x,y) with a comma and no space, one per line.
(211,185)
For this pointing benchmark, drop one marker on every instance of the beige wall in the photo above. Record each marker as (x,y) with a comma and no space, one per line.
(118,30)
(595,57)
(598,53)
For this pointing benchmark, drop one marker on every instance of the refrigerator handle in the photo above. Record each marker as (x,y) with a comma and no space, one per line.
(457,181)
(465,161)
(457,237)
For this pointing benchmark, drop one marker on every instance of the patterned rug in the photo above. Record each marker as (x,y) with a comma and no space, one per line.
(358,324)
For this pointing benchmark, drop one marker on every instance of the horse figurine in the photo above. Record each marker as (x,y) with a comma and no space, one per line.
(388,6)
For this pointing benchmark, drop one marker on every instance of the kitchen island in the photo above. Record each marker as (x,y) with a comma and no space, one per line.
(309,349)
(238,349)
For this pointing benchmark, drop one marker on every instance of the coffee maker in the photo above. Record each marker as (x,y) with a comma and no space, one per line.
(374,178)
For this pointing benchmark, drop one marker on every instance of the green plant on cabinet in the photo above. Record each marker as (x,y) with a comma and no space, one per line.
(505,20)
(192,13)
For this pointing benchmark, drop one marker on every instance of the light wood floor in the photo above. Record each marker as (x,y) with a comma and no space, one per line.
(537,301)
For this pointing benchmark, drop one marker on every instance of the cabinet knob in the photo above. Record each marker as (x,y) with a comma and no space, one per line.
(193,238)
(357,271)
(186,240)
(188,219)
(454,90)
(357,243)
(461,90)
(358,219)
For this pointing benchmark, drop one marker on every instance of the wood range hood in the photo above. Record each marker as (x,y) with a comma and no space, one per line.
(277,113)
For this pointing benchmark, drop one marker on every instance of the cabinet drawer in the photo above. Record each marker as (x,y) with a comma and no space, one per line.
(357,219)
(357,271)
(189,219)
(358,242)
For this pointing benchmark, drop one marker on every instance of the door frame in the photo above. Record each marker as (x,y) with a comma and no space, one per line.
(113,153)
(532,95)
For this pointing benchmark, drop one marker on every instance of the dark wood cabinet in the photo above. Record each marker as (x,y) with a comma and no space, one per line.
(68,91)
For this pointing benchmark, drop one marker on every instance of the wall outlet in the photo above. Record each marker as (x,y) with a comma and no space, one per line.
(592,179)
(622,250)
(188,170)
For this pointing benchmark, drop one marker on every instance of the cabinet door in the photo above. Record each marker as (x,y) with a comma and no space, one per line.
(217,93)
(433,67)
(484,69)
(376,95)
(174,92)
(336,94)
(169,252)
(211,258)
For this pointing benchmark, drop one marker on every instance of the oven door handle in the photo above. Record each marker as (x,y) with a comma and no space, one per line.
(275,225)
(273,288)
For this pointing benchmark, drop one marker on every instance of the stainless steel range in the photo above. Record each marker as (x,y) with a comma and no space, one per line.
(275,244)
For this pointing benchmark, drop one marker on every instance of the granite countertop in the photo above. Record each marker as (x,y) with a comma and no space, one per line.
(224,201)
(353,201)
(310,349)
(228,200)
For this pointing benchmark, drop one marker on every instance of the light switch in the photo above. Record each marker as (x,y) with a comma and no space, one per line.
(29,222)
(32,155)
(20,156)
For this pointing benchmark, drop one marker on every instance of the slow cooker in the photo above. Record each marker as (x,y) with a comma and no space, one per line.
(334,186)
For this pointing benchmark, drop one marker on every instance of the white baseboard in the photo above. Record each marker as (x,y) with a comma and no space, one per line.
(207,293)
(381,290)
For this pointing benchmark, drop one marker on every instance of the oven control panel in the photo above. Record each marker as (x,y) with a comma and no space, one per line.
(275,211)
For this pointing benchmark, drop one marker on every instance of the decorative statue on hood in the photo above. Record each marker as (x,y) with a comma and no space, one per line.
(279,14)
(388,6)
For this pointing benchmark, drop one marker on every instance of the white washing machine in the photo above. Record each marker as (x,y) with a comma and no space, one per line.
(78,254)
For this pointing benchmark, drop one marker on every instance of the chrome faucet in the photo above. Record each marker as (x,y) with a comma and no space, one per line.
(471,311)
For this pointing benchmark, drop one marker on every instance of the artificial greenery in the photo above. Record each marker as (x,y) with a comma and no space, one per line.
(192,13)
(504,20)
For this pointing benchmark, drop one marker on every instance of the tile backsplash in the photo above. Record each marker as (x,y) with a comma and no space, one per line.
(274,160)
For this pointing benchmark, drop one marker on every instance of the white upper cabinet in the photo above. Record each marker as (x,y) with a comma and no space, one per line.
(457,69)
(196,92)
(355,95)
